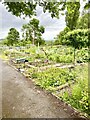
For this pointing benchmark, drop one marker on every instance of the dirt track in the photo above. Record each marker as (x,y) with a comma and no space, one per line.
(22,99)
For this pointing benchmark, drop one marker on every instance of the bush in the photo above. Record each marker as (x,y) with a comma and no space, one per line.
(77,38)
(60,37)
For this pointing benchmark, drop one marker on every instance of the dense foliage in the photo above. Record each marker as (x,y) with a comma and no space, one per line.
(72,14)
(60,36)
(33,32)
(83,21)
(13,37)
(53,77)
(77,38)
(28,8)
(78,97)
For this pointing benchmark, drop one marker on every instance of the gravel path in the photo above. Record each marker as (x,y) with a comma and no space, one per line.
(22,99)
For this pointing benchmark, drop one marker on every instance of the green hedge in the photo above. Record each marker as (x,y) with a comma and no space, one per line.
(77,38)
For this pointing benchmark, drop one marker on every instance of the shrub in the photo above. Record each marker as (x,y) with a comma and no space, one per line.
(77,38)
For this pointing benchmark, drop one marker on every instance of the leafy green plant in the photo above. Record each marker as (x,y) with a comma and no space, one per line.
(78,97)
(53,77)
(77,38)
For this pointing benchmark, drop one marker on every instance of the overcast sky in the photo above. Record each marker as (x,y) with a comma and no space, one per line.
(52,26)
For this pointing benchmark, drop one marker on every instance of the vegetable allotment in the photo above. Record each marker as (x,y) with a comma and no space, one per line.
(70,84)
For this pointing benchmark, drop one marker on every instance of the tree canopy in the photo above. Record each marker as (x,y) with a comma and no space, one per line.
(29,8)
(33,31)
(13,36)
(72,14)
(54,7)
(83,21)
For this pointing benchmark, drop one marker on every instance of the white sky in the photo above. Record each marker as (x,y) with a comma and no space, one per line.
(52,26)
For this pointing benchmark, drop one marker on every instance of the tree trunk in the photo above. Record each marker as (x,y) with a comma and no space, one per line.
(33,38)
(74,55)
(89,55)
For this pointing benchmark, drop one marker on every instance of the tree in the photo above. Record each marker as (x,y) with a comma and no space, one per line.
(13,36)
(77,39)
(27,8)
(54,7)
(26,32)
(72,14)
(60,37)
(83,22)
(33,31)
